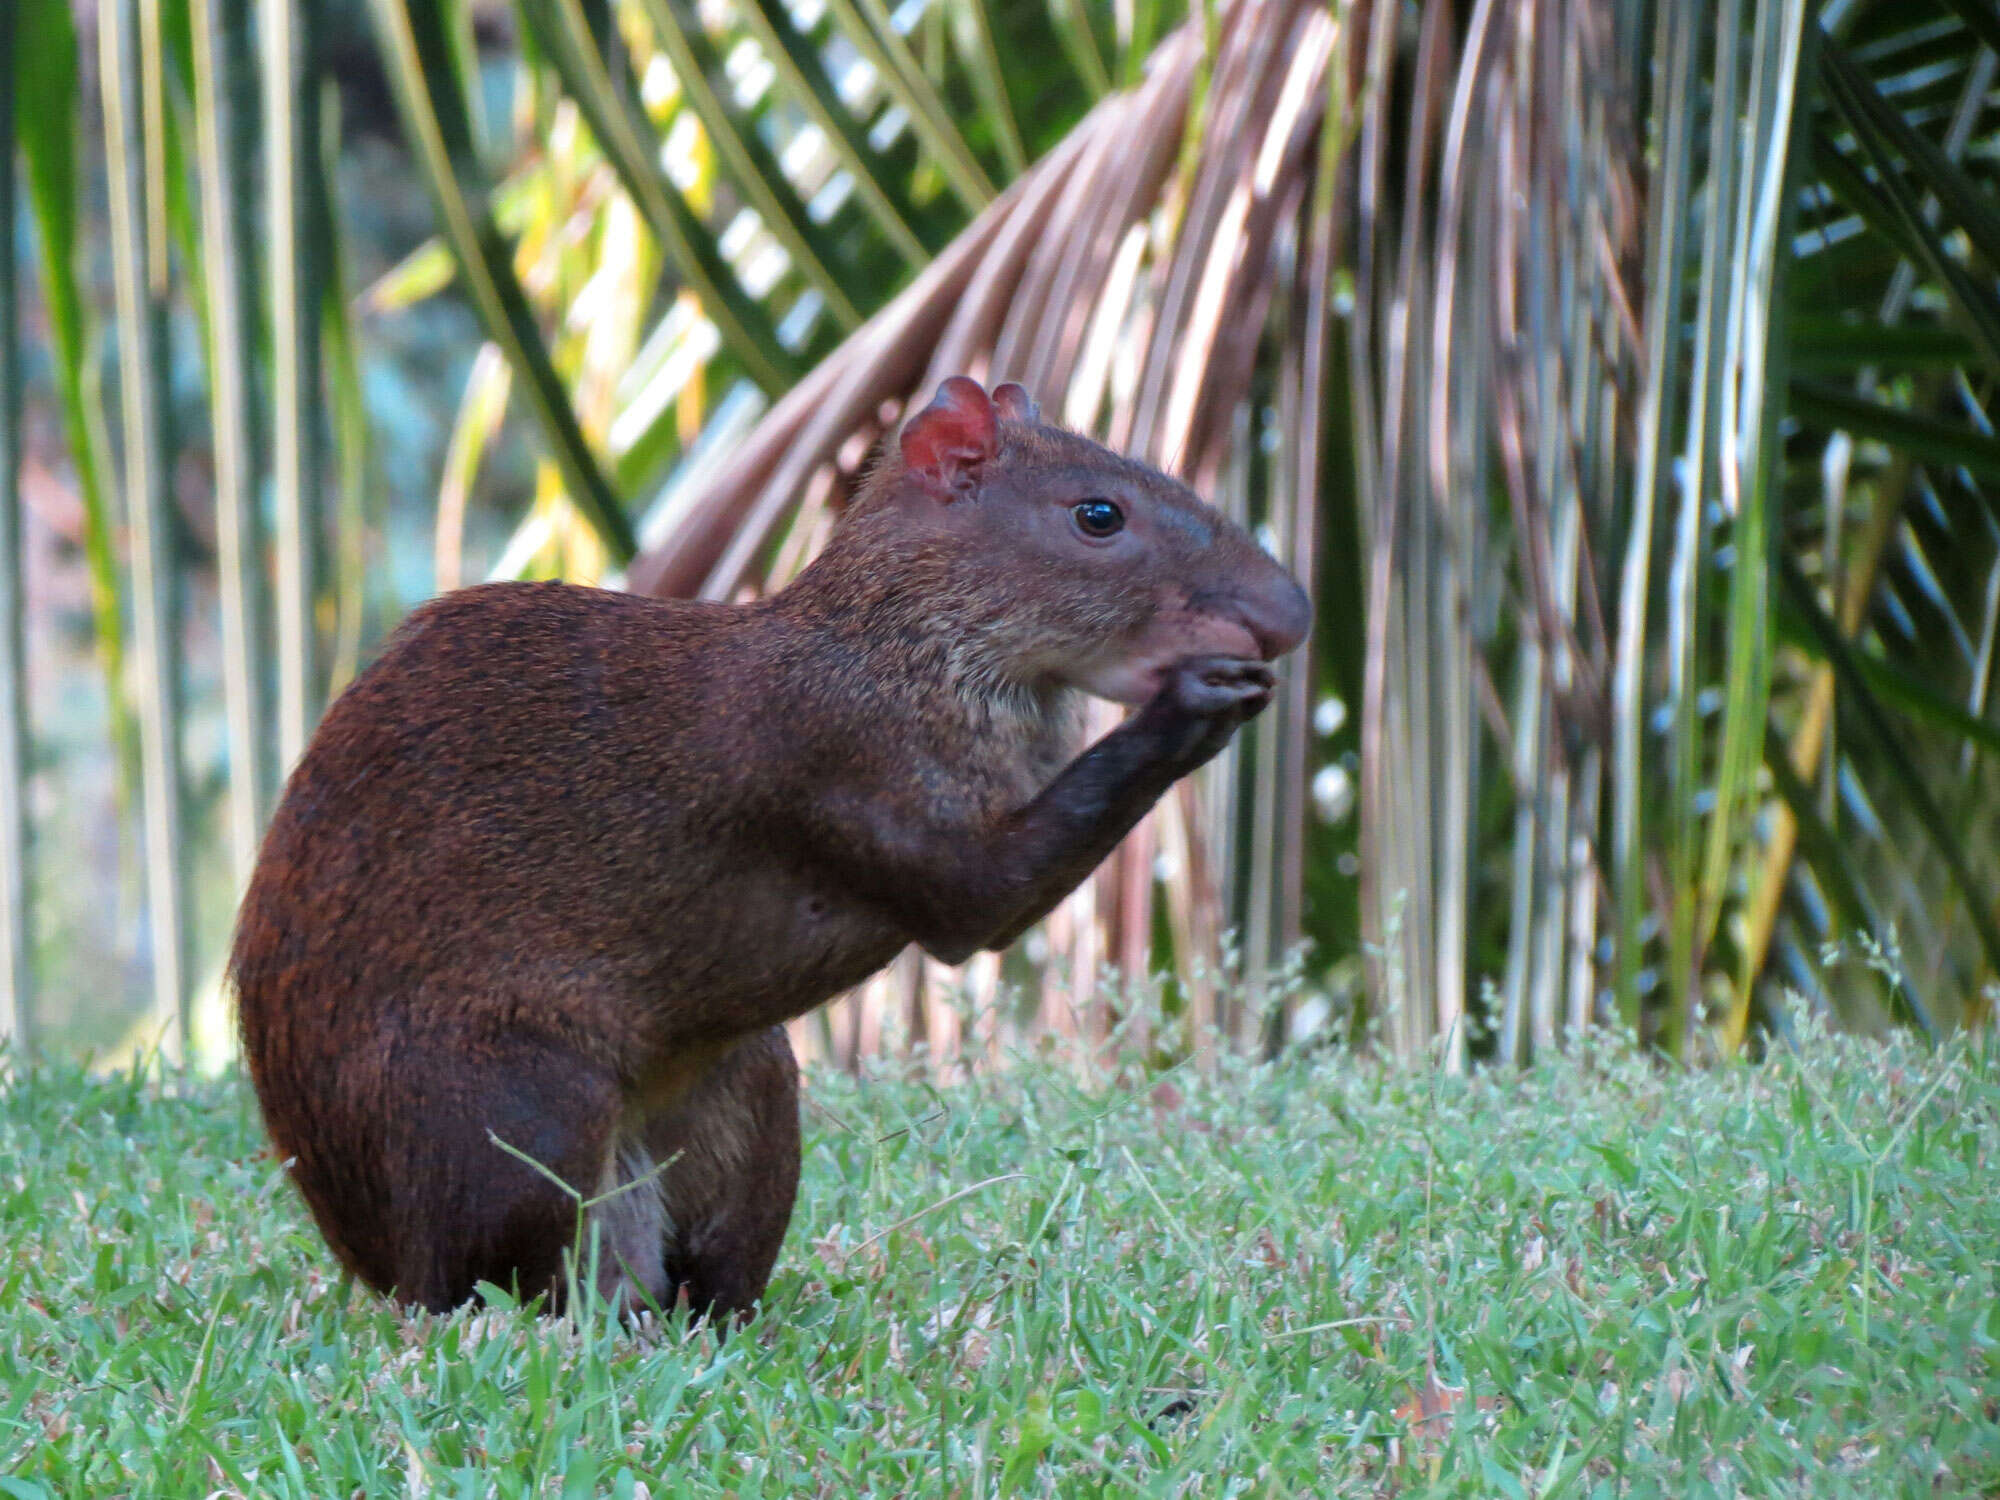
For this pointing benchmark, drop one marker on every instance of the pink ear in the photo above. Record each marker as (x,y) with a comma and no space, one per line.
(1015,404)
(946,443)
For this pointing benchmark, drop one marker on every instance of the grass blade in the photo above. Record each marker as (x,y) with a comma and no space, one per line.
(416,53)
(342,370)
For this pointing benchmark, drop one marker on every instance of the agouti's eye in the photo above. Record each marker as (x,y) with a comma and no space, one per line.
(1098,518)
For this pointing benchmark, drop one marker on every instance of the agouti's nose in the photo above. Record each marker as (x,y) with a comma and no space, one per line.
(1278,614)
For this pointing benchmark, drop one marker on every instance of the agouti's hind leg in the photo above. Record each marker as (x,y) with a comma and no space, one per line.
(470,1211)
(728,1193)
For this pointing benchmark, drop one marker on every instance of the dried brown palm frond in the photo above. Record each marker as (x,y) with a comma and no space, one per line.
(1496,276)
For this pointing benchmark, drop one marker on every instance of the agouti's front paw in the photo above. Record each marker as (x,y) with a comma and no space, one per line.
(1204,701)
(1216,686)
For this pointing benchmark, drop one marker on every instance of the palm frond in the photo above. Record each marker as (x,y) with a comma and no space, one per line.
(46,92)
(298,239)
(623,133)
(875,36)
(432,105)
(223,134)
(1540,334)
(134,155)
(16,972)
(752,168)
(806,80)
(1899,194)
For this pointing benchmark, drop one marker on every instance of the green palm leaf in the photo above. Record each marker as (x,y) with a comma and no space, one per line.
(1896,757)
(799,65)
(46,99)
(433,111)
(622,132)
(749,163)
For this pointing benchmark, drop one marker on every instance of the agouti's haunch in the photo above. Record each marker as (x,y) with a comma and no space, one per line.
(557,866)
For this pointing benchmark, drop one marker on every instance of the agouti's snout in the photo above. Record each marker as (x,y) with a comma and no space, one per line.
(1275,610)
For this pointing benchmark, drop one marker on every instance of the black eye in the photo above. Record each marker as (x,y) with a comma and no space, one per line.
(1098,518)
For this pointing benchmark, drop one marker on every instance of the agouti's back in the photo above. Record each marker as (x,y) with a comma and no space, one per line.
(529,772)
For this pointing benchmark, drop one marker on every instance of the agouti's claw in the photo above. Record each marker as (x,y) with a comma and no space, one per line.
(1229,673)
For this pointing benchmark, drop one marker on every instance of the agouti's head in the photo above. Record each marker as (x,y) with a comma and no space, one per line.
(1065,563)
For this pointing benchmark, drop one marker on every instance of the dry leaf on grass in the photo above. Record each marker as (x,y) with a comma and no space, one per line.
(1428,1414)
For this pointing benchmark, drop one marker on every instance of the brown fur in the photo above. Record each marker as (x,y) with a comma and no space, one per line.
(558,866)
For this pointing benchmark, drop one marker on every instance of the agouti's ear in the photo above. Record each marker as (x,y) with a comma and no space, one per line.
(1014,403)
(947,442)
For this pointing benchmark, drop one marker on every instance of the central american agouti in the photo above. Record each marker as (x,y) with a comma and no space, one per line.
(555,869)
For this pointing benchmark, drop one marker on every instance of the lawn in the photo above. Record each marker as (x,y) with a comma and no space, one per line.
(1318,1277)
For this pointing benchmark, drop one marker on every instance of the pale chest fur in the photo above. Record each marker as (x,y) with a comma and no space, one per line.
(1012,747)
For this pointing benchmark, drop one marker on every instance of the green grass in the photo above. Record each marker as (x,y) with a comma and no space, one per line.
(1754,1281)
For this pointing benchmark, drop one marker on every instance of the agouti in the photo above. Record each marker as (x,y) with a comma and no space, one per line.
(557,866)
